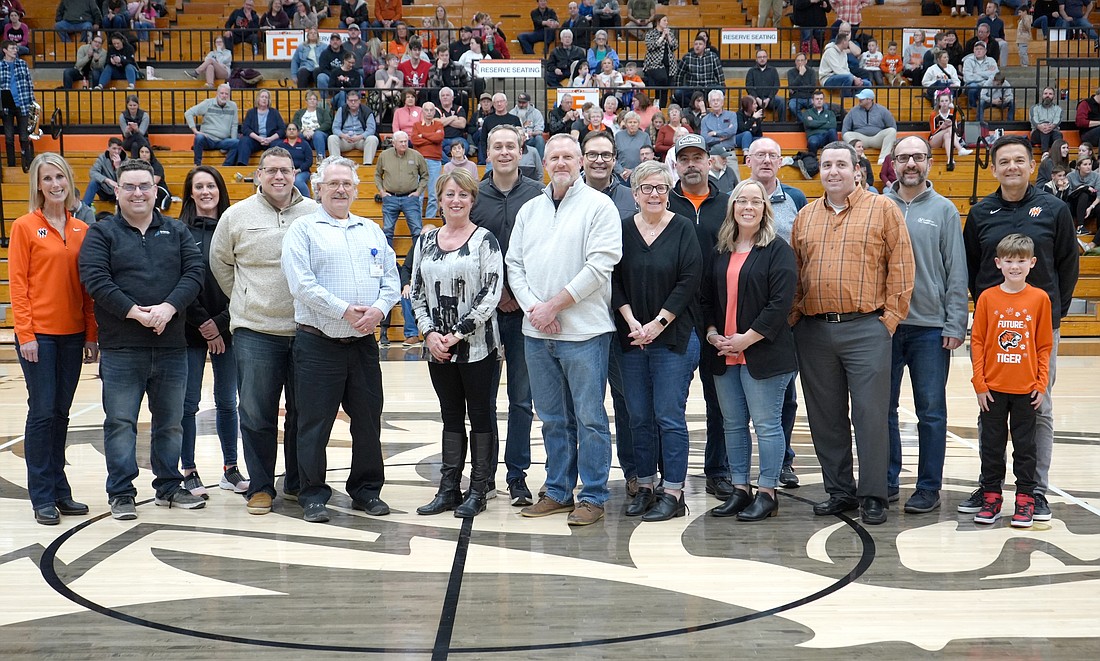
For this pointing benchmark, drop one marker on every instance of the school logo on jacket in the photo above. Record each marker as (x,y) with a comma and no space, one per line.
(1035,211)
(43,232)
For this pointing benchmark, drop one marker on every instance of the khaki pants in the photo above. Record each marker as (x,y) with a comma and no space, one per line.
(337,145)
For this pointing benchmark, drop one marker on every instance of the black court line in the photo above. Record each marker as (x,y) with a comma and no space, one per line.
(454,588)
(49,574)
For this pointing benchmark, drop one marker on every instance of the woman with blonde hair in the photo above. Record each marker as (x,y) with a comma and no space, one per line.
(440,30)
(55,329)
(747,292)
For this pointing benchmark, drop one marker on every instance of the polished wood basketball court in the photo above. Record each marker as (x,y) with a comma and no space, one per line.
(220,583)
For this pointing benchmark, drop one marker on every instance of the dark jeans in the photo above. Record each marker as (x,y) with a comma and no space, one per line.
(624,435)
(51,383)
(465,388)
(790,409)
(72,74)
(1045,140)
(815,142)
(330,374)
(715,462)
(225,403)
(15,123)
(204,142)
(128,374)
(993,440)
(102,191)
(517,444)
(921,350)
(264,371)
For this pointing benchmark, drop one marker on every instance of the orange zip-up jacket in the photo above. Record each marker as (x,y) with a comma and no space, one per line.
(46,294)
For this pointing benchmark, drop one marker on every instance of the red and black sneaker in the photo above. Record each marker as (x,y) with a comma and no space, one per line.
(991,508)
(1025,511)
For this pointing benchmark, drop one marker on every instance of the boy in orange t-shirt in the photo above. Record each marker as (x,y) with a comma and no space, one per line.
(1010,346)
(891,65)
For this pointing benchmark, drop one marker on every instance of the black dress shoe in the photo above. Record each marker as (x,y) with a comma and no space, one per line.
(836,505)
(667,507)
(69,507)
(720,487)
(315,513)
(874,511)
(739,500)
(763,507)
(642,502)
(374,506)
(787,477)
(47,516)
(443,501)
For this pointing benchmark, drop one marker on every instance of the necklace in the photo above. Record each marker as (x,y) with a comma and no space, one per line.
(653,228)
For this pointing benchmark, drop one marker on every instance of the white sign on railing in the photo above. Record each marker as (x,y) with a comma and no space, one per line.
(580,95)
(281,44)
(509,69)
(750,36)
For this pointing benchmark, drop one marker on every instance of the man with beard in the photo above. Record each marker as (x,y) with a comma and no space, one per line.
(500,197)
(1046,116)
(764,159)
(338,303)
(697,197)
(564,246)
(855,276)
(936,324)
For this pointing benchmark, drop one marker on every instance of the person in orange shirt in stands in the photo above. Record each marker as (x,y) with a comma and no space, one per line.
(55,329)
(426,137)
(386,14)
(1010,345)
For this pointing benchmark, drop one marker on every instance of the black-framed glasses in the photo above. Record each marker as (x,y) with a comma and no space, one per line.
(905,158)
(600,156)
(648,189)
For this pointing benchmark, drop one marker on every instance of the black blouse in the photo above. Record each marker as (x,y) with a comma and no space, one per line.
(663,275)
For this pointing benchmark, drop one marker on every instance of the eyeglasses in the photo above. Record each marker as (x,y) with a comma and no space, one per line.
(144,188)
(600,156)
(271,172)
(902,159)
(756,204)
(337,185)
(766,156)
(648,189)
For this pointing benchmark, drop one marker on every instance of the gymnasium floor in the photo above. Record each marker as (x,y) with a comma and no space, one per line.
(219,583)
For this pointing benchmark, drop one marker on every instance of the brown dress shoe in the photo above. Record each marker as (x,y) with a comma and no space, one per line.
(545,507)
(584,514)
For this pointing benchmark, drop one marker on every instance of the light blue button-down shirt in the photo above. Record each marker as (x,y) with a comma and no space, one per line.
(332,264)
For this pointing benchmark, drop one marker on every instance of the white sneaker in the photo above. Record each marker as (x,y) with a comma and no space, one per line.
(965,152)
(787,160)
(954,11)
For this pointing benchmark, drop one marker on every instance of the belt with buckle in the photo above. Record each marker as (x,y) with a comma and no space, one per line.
(319,333)
(841,317)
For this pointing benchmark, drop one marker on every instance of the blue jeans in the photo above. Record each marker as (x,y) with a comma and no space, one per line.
(225,403)
(527,40)
(320,143)
(406,204)
(1080,22)
(1009,108)
(51,383)
(517,444)
(815,142)
(95,189)
(128,374)
(301,182)
(761,400)
(624,440)
(796,106)
(572,373)
(65,27)
(656,382)
(143,28)
(204,142)
(264,371)
(111,72)
(744,139)
(843,82)
(434,167)
(921,350)
(1042,23)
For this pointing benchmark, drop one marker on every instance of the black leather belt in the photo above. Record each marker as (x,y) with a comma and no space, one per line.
(402,194)
(841,317)
(340,340)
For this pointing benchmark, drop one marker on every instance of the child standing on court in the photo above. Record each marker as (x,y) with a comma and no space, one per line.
(1010,348)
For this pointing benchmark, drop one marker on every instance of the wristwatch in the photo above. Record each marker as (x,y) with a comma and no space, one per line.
(661,320)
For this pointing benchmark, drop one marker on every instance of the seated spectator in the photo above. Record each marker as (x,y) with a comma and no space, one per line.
(801,83)
(399,40)
(999,95)
(387,15)
(314,123)
(658,122)
(101,178)
(607,14)
(243,26)
(389,79)
(143,17)
(864,168)
(374,58)
(578,24)
(992,18)
(978,72)
(305,64)
(912,59)
(302,154)
(724,176)
(544,24)
(1075,14)
(941,76)
(499,116)
(115,15)
(445,73)
(629,142)
(945,132)
(563,58)
(530,165)
(354,127)
(17,32)
(1087,118)
(531,121)
(134,123)
(354,12)
(164,197)
(471,57)
(1057,157)
(438,30)
(750,123)
(833,72)
(458,160)
(719,126)
(608,80)
(304,17)
(120,63)
(77,16)
(426,138)
(347,77)
(219,125)
(643,106)
(452,115)
(871,61)
(1084,182)
(611,114)
(475,127)
(582,77)
(408,115)
(762,83)
(562,116)
(415,69)
(91,59)
(981,34)
(892,65)
(591,120)
(1045,15)
(356,45)
(632,81)
(887,174)
(219,62)
(639,17)
(666,135)
(871,123)
(263,126)
(329,60)
(601,50)
(819,122)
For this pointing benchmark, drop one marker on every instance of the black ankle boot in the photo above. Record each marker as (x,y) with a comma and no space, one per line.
(483,446)
(642,502)
(763,507)
(472,506)
(732,507)
(667,507)
(443,501)
(450,472)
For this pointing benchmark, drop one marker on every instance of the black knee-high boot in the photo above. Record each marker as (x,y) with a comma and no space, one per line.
(450,475)
(483,446)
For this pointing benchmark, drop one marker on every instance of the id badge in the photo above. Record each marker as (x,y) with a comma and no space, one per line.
(376,270)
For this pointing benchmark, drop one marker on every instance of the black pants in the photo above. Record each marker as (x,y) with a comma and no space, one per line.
(465,389)
(995,426)
(657,78)
(17,121)
(1045,140)
(330,374)
(133,143)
